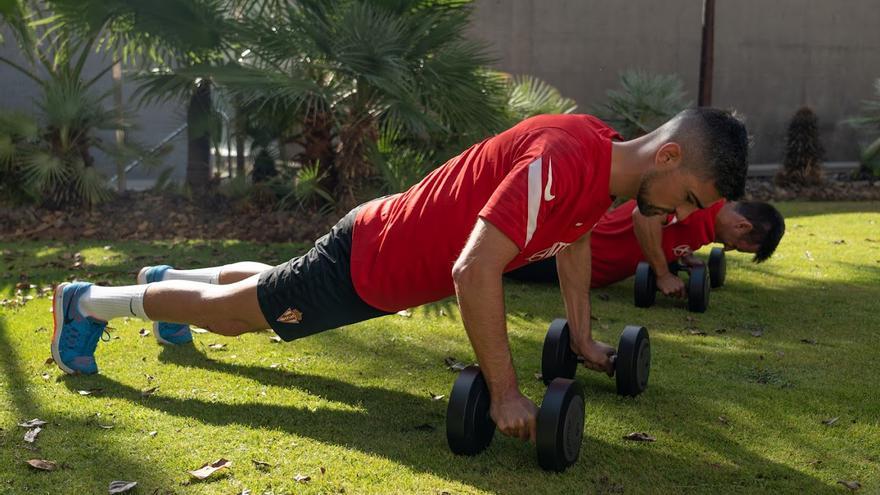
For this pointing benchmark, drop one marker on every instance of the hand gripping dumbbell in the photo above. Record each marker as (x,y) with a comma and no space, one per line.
(560,422)
(632,362)
(645,286)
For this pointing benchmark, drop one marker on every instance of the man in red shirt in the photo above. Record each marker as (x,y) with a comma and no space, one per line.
(624,237)
(528,193)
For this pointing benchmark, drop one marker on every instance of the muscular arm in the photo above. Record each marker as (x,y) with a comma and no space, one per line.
(649,232)
(574,267)
(477,276)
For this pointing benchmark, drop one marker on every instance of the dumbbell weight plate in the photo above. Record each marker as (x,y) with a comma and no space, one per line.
(557,358)
(717,267)
(632,364)
(645,287)
(469,428)
(560,425)
(698,290)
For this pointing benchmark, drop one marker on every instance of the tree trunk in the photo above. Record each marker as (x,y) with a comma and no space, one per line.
(198,159)
(120,132)
(239,133)
(352,165)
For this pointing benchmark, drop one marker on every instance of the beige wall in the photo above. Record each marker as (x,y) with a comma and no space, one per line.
(771,56)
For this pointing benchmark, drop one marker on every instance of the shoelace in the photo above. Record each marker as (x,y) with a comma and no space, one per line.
(106,334)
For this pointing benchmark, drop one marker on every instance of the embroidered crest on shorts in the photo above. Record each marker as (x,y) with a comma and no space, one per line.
(291,316)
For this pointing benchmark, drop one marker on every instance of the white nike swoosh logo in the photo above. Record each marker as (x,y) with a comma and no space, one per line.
(547,195)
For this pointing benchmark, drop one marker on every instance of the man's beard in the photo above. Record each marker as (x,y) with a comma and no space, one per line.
(645,207)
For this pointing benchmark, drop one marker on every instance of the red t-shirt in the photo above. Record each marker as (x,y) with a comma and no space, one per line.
(616,250)
(543,183)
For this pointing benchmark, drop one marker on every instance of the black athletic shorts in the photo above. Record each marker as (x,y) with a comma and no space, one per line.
(314,292)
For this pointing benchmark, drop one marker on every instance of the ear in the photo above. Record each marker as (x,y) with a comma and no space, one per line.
(668,156)
(743,226)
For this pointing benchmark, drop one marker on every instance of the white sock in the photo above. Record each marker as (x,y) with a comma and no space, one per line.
(106,303)
(205,275)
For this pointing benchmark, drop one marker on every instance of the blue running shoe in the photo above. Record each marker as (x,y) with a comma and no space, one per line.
(166,333)
(76,335)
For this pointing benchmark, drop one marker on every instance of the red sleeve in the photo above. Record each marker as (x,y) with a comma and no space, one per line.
(522,201)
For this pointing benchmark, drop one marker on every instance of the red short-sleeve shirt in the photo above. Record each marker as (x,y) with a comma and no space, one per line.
(616,250)
(543,183)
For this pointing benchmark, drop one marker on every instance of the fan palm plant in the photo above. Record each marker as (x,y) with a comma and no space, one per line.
(161,34)
(643,102)
(528,96)
(339,72)
(56,163)
(869,122)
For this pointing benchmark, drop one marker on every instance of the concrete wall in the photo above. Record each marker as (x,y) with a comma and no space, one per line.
(771,57)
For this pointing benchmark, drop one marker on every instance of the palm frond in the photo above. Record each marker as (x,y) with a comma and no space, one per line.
(643,102)
(529,96)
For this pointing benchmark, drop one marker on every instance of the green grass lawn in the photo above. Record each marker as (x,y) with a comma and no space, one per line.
(787,344)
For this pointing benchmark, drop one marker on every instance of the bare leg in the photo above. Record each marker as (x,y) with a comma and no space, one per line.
(236,272)
(230,309)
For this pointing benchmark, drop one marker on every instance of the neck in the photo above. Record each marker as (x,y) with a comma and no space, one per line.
(629,160)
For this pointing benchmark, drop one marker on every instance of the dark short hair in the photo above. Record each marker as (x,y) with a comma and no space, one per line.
(768,226)
(716,147)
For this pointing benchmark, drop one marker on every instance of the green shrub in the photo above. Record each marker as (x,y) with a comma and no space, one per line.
(643,103)
(802,163)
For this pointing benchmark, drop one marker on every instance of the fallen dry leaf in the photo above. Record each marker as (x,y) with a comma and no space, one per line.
(639,436)
(144,332)
(435,396)
(839,241)
(808,255)
(153,433)
(210,468)
(539,376)
(275,339)
(32,423)
(148,392)
(723,420)
(323,470)
(810,341)
(31,434)
(453,364)
(405,313)
(48,361)
(217,346)
(261,464)
(91,391)
(302,478)
(852,485)
(121,486)
(42,465)
(197,330)
(696,332)
(830,421)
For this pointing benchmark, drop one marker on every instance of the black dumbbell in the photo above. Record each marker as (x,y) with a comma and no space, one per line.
(632,363)
(717,267)
(560,422)
(645,286)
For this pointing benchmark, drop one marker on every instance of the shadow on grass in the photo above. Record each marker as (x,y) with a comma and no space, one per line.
(81,452)
(389,423)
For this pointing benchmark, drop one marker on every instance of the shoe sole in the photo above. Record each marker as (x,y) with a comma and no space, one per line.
(58,312)
(142,280)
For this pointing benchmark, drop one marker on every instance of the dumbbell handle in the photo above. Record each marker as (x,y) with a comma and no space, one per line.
(613,358)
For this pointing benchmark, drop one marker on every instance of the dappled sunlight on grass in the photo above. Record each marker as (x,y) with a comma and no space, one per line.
(787,344)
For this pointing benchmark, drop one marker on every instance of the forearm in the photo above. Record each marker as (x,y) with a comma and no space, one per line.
(649,232)
(574,266)
(481,300)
